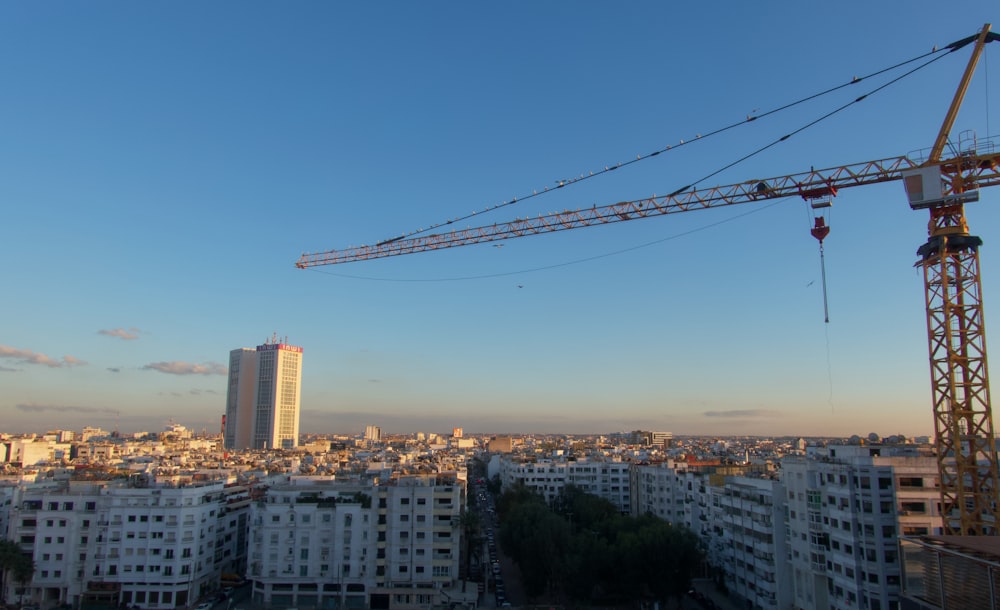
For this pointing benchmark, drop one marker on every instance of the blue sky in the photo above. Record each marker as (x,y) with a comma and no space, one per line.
(163,166)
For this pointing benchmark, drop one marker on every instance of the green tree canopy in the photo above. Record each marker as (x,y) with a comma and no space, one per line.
(583,549)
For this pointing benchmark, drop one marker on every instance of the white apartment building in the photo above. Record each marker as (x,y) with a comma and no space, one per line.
(390,544)
(846,508)
(29,451)
(658,489)
(605,479)
(746,539)
(263,397)
(822,536)
(156,547)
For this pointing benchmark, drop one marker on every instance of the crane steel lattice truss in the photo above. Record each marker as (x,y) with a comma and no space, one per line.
(963,420)
(963,417)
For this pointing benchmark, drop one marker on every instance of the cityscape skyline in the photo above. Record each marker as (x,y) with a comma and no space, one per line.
(152,193)
(389,511)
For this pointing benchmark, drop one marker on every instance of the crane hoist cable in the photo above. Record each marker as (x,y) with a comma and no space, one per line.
(821,199)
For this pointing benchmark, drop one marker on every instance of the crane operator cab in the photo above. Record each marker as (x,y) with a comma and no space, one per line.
(927,188)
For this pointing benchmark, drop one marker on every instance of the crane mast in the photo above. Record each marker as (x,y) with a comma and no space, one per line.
(963,420)
(960,389)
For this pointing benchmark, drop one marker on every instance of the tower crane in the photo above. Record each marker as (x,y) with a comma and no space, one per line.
(963,421)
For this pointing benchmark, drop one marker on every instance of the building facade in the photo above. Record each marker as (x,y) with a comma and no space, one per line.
(337,544)
(605,479)
(116,543)
(846,509)
(263,397)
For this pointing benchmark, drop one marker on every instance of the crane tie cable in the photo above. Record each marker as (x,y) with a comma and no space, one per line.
(804,127)
(640,157)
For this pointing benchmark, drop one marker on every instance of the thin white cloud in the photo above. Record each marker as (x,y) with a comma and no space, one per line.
(27,356)
(744,413)
(187,368)
(128,335)
(36,408)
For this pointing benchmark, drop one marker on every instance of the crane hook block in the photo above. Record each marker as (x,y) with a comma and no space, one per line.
(820,230)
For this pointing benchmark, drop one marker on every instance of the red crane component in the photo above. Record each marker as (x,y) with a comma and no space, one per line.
(820,230)
(819,193)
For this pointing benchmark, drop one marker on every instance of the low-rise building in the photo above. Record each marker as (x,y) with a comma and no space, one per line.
(393,543)
(136,544)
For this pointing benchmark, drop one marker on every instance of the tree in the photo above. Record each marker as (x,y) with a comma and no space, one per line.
(16,563)
(469,523)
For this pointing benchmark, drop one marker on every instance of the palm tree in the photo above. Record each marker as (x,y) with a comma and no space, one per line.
(15,561)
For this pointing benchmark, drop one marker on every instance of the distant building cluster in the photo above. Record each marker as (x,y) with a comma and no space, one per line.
(796,526)
(165,520)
